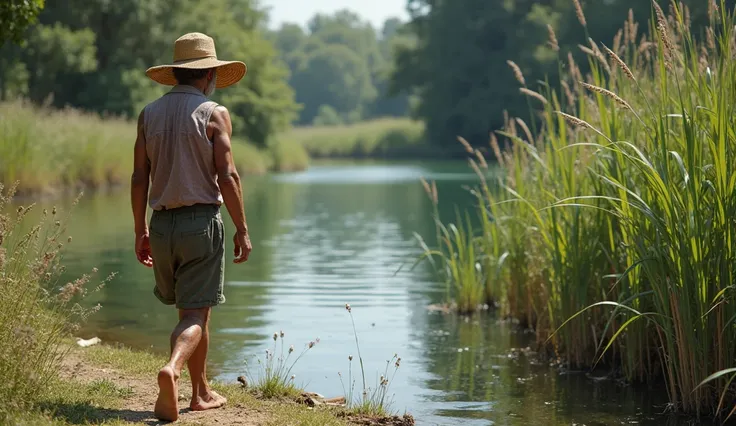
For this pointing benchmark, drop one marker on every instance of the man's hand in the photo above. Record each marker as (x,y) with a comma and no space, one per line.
(242,247)
(143,249)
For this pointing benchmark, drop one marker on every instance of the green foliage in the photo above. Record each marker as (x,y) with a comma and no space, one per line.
(92,54)
(613,224)
(388,137)
(275,378)
(16,15)
(47,150)
(36,310)
(457,59)
(341,62)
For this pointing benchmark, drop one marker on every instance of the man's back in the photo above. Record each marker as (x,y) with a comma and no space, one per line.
(182,161)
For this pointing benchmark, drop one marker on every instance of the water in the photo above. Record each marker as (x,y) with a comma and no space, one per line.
(338,234)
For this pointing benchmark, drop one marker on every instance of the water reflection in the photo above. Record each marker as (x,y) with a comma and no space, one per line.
(335,235)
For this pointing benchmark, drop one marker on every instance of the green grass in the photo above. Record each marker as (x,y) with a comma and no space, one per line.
(611,232)
(47,150)
(389,137)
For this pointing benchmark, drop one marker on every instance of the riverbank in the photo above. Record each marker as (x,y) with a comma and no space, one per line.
(114,385)
(610,232)
(48,151)
(386,138)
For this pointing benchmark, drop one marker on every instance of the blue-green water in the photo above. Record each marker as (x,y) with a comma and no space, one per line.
(338,234)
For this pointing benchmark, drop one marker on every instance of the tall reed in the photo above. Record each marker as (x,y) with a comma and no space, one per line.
(615,221)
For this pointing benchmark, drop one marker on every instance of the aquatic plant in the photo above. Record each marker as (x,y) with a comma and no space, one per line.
(613,223)
(375,401)
(275,378)
(37,311)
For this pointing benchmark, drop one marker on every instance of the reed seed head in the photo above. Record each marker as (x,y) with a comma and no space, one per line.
(275,336)
(533,94)
(350,357)
(616,98)
(663,34)
(575,121)
(599,55)
(621,64)
(552,39)
(568,94)
(496,149)
(481,159)
(579,13)
(617,41)
(347,307)
(311,345)
(465,144)
(517,72)
(293,376)
(281,333)
(291,348)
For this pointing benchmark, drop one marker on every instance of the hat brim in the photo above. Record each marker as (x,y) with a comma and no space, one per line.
(228,72)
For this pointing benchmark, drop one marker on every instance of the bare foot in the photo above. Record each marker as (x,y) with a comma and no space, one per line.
(207,401)
(166,404)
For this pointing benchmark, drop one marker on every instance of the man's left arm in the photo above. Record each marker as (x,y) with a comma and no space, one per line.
(139,196)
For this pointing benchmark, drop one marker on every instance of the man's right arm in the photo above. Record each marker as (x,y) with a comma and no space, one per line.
(229,180)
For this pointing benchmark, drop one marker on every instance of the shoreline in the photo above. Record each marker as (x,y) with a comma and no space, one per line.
(113,384)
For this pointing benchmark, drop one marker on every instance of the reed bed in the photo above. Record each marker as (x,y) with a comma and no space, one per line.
(387,137)
(47,150)
(610,230)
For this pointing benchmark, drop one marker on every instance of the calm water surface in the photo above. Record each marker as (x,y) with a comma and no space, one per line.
(338,234)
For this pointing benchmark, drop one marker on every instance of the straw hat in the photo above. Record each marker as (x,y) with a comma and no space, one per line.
(197,51)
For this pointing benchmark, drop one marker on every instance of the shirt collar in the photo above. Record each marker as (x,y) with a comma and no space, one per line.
(183,88)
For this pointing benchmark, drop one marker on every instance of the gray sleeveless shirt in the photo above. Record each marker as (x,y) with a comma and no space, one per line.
(181,156)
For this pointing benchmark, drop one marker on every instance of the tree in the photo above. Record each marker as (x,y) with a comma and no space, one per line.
(16,16)
(336,76)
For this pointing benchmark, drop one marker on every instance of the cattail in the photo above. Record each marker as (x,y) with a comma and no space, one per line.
(525,128)
(568,94)
(534,95)
(579,12)
(552,39)
(465,144)
(496,149)
(608,93)
(617,41)
(481,159)
(620,63)
(517,72)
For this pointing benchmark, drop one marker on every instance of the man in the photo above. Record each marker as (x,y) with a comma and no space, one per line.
(183,146)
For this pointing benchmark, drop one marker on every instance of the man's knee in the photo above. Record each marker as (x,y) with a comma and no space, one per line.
(200,316)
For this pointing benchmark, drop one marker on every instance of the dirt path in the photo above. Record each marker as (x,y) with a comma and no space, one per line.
(139,406)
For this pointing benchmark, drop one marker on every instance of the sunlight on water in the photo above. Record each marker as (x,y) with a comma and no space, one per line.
(335,235)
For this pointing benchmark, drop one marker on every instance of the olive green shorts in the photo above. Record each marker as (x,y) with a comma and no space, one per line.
(188,250)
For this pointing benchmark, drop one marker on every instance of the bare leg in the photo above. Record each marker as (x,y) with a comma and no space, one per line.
(184,341)
(203,398)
